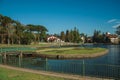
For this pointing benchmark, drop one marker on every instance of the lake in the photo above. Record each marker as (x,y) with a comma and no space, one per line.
(107,66)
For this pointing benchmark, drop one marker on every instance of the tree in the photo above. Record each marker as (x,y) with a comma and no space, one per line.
(71,36)
(99,37)
(62,36)
(67,37)
(96,36)
(6,23)
(43,34)
(76,35)
(3,31)
(39,32)
(12,31)
(118,30)
(19,31)
(27,38)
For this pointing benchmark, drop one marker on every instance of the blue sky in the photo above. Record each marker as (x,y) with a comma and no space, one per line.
(60,15)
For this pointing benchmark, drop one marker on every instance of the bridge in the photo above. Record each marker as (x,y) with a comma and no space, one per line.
(6,52)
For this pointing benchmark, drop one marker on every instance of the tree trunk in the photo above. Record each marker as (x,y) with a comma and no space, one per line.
(2,39)
(12,40)
(8,41)
(19,41)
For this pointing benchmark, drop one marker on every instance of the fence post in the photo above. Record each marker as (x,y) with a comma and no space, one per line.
(83,68)
(1,50)
(46,63)
(20,59)
(4,58)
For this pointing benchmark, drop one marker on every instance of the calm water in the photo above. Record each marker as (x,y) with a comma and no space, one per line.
(104,66)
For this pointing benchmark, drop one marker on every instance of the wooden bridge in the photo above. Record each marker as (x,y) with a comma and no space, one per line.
(5,56)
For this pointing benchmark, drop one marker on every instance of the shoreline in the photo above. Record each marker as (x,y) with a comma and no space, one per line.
(71,56)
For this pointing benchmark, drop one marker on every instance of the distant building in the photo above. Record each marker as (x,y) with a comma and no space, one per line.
(83,39)
(113,38)
(89,40)
(53,39)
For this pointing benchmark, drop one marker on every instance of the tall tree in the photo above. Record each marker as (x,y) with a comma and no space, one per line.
(3,31)
(43,34)
(76,35)
(6,22)
(71,36)
(96,36)
(62,36)
(39,31)
(118,30)
(67,37)
(19,31)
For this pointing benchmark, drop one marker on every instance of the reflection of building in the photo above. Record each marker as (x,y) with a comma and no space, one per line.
(113,38)
(53,39)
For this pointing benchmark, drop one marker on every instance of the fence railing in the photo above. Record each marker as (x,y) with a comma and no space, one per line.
(82,68)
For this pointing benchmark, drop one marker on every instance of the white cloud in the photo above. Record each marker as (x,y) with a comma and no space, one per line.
(112,20)
(115,26)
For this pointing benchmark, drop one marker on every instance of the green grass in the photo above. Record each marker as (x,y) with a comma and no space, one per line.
(71,50)
(8,74)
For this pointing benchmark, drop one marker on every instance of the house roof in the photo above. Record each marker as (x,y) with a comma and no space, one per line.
(112,36)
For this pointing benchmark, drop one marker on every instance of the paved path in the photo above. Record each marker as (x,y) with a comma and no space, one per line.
(66,76)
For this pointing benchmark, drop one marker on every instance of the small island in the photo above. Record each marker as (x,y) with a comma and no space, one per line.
(71,53)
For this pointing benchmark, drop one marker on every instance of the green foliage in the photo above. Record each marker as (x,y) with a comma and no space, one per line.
(118,30)
(40,30)
(62,36)
(67,37)
(71,36)
(13,32)
(99,37)
(27,38)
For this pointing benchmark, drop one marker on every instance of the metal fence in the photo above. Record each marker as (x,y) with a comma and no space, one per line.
(85,69)
(82,68)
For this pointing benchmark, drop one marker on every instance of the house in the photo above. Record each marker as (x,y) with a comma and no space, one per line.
(83,39)
(89,40)
(113,38)
(53,39)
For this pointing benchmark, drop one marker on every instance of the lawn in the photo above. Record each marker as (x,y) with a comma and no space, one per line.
(8,74)
(71,50)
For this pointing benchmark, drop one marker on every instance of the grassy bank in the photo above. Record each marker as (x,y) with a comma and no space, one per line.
(71,50)
(54,52)
(8,74)
(72,53)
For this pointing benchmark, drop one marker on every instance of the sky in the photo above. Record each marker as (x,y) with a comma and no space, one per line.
(60,15)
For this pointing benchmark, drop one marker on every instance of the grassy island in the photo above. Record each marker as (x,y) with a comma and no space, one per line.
(72,52)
